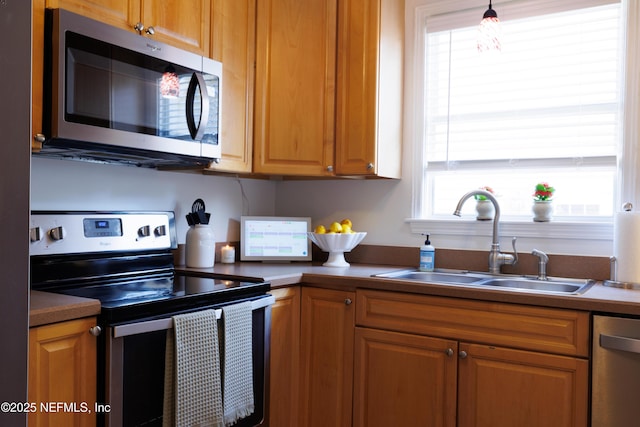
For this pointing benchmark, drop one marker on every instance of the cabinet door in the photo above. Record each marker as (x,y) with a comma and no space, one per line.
(118,13)
(182,23)
(62,368)
(504,388)
(284,396)
(295,87)
(327,330)
(370,85)
(403,380)
(233,44)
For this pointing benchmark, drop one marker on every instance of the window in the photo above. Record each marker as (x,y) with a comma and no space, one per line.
(548,108)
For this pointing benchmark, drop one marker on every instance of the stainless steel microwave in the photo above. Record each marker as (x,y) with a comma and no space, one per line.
(114,96)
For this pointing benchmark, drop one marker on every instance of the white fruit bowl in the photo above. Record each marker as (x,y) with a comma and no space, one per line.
(336,244)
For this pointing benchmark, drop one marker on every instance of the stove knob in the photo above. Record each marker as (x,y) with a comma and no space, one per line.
(35,234)
(160,230)
(57,233)
(144,231)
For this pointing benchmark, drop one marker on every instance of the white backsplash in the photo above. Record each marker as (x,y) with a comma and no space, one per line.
(72,185)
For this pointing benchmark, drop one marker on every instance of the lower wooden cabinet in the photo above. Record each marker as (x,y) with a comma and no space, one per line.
(62,371)
(404,380)
(376,358)
(413,376)
(501,387)
(327,333)
(284,388)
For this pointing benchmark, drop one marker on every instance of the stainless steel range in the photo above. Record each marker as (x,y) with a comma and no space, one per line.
(125,260)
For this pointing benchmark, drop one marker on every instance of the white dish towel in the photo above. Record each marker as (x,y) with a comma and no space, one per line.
(192,386)
(238,362)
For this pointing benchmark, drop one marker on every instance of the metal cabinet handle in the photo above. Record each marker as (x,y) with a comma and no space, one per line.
(369,166)
(95,330)
(463,354)
(330,168)
(449,352)
(139,27)
(348,301)
(620,343)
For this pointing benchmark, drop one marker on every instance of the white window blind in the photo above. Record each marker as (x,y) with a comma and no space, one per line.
(548,108)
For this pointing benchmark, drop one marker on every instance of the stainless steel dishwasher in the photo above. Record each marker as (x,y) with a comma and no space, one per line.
(615,386)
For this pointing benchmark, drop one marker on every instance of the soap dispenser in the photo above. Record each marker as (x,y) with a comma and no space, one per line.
(427,256)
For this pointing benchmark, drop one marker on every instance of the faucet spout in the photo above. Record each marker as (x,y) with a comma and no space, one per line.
(496,217)
(496,258)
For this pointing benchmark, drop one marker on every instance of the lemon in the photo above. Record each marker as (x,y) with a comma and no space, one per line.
(335,227)
(346,221)
(346,229)
(320,229)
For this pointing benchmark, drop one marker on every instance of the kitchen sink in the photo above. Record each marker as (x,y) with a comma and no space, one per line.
(552,285)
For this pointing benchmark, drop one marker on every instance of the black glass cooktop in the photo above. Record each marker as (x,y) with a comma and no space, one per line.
(158,296)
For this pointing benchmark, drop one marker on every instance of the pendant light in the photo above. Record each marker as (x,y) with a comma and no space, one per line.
(489,32)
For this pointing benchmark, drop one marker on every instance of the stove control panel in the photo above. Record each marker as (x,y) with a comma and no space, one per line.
(54,232)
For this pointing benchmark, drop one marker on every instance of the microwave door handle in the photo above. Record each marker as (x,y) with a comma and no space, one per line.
(197,81)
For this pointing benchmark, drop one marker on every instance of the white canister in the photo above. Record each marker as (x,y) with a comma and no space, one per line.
(200,248)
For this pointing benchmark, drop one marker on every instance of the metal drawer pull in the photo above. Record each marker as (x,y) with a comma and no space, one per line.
(620,343)
(163,324)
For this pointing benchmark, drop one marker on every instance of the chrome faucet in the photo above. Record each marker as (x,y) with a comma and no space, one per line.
(496,258)
(542,263)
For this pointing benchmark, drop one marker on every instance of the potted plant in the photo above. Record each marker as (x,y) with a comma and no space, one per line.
(484,206)
(542,198)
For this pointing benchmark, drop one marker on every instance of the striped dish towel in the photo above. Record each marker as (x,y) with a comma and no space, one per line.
(192,387)
(238,362)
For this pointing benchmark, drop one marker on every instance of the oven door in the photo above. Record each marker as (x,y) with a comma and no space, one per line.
(133,369)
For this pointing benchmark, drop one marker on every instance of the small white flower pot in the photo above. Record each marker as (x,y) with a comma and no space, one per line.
(485,210)
(542,210)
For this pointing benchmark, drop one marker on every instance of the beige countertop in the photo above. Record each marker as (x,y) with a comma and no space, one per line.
(598,298)
(46,307)
(51,308)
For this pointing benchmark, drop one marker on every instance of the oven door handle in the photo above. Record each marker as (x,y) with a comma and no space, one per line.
(167,323)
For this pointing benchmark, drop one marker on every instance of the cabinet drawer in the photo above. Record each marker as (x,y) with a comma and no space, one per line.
(517,326)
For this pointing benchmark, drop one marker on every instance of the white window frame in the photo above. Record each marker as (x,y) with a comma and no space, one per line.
(558,236)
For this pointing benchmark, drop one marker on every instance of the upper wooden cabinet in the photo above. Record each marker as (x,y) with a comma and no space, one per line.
(295,87)
(233,43)
(370,84)
(329,87)
(181,23)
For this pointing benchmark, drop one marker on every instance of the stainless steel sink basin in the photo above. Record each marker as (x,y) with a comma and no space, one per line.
(552,285)
(431,277)
(538,285)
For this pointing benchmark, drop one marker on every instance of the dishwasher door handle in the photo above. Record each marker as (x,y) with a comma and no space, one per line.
(620,343)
